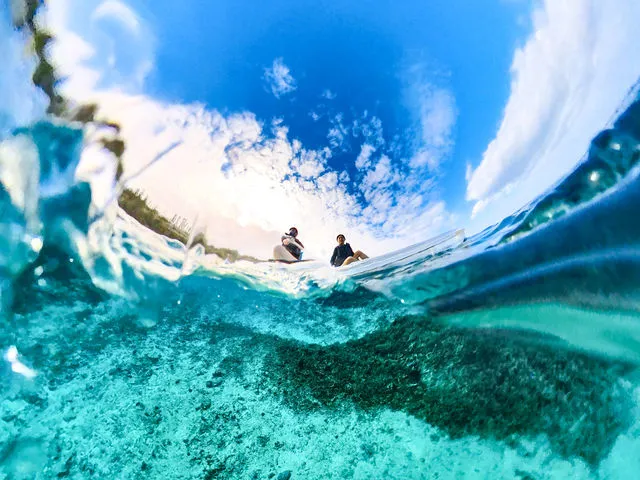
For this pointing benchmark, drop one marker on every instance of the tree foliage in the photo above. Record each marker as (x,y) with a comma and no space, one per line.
(136,205)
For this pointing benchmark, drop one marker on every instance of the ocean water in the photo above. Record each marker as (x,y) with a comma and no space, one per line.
(510,354)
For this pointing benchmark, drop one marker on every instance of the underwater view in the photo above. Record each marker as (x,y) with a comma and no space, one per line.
(459,296)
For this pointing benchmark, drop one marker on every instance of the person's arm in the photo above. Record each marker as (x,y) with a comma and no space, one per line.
(333,257)
(350,250)
(289,240)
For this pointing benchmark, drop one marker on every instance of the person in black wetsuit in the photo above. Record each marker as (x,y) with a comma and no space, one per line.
(343,254)
(292,244)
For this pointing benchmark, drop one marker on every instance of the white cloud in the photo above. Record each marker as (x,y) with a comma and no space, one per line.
(328,94)
(364,157)
(328,181)
(468,172)
(437,114)
(279,78)
(381,173)
(119,11)
(75,53)
(401,194)
(425,157)
(370,129)
(85,59)
(567,81)
(434,113)
(242,180)
(246,183)
(309,163)
(338,133)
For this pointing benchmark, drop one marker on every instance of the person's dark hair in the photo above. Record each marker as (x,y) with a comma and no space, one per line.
(293,229)
(341,235)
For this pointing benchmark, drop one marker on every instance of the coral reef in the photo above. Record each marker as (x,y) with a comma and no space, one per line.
(466,382)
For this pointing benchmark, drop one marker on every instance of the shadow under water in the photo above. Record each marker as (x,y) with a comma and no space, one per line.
(490,383)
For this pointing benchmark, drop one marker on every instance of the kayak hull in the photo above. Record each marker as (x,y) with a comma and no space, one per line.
(281,254)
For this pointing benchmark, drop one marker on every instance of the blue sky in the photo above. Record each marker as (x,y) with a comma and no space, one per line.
(389,121)
(361,52)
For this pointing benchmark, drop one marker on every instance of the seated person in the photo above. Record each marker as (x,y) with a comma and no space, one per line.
(343,253)
(292,244)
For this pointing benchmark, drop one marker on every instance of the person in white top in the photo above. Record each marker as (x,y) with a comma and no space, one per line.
(292,244)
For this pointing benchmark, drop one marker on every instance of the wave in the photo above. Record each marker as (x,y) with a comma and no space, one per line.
(612,155)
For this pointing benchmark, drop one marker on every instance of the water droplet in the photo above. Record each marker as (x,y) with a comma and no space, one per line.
(595,176)
(39,270)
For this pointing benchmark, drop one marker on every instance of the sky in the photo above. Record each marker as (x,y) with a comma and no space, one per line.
(389,122)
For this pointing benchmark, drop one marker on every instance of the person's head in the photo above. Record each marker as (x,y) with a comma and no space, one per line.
(340,238)
(293,231)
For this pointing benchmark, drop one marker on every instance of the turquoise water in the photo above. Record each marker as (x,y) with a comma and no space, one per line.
(509,354)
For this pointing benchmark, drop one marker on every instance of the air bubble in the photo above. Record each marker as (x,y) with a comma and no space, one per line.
(36,244)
